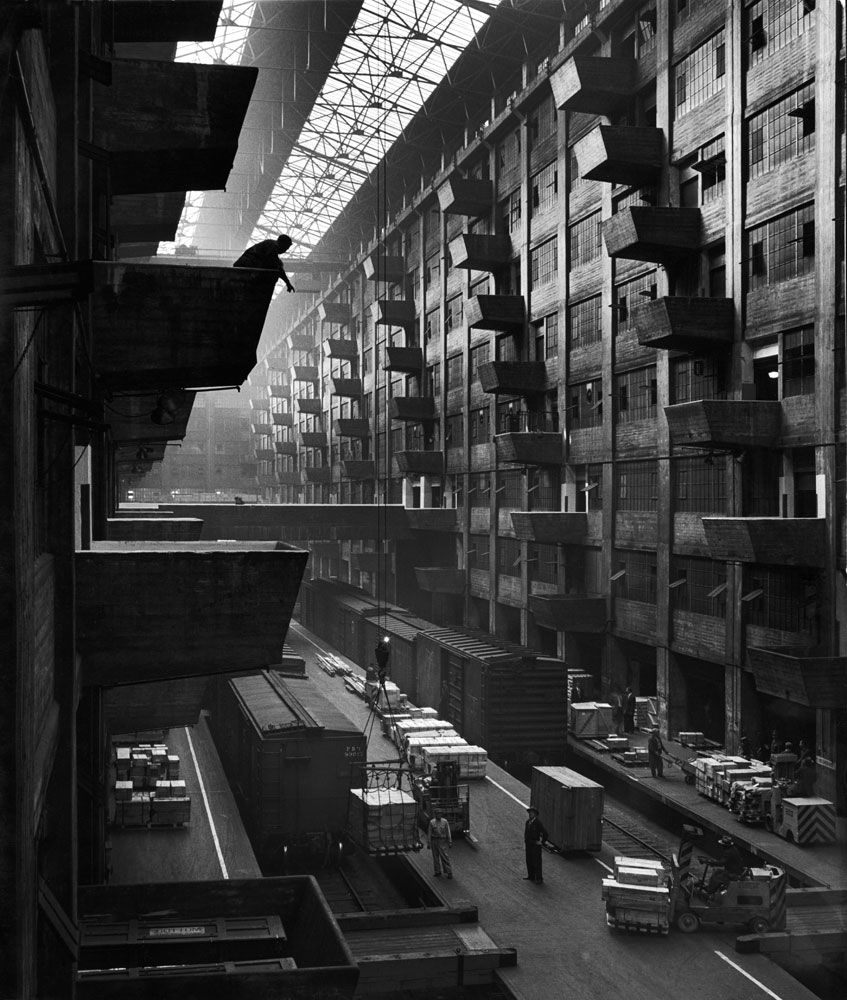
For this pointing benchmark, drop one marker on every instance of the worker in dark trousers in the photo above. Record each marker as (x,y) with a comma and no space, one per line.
(732,866)
(264,256)
(440,842)
(534,837)
(655,749)
(629,711)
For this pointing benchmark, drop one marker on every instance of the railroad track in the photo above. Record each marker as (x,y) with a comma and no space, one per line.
(626,834)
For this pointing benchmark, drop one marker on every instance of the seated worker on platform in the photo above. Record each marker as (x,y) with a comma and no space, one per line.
(265,257)
(733,866)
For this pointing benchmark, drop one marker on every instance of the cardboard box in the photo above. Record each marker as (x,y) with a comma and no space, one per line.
(123,791)
(383,819)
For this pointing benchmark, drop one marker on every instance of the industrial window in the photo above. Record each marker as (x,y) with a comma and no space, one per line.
(432,272)
(646,27)
(453,313)
(783,598)
(510,211)
(433,377)
(798,362)
(546,337)
(782,131)
(585,240)
(542,122)
(478,356)
(479,287)
(711,165)
(478,491)
(454,430)
(380,401)
(478,548)
(508,557)
(510,489)
(432,325)
(509,151)
(543,488)
(544,188)
(589,486)
(544,263)
(511,420)
(805,482)
(700,75)
(585,322)
(506,348)
(698,586)
(455,372)
(415,282)
(637,485)
(635,395)
(628,294)
(782,248)
(635,197)
(636,575)
(699,484)
(696,378)
(586,405)
(542,563)
(683,9)
(480,421)
(575,180)
(773,24)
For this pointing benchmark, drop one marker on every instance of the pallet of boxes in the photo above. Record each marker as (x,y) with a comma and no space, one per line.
(637,896)
(383,820)
(148,787)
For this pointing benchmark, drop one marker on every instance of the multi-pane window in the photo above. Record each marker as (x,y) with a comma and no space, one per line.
(432,324)
(683,9)
(478,490)
(782,598)
(506,348)
(479,546)
(585,322)
(575,179)
(454,429)
(782,131)
(798,362)
(782,248)
(479,286)
(589,487)
(508,557)
(635,575)
(455,372)
(415,282)
(696,378)
(541,122)
(433,379)
(543,488)
(510,211)
(637,485)
(432,271)
(478,356)
(635,395)
(629,294)
(544,263)
(700,75)
(771,24)
(699,484)
(546,344)
(586,404)
(585,240)
(366,360)
(698,585)
(543,563)
(480,421)
(453,313)
(509,151)
(510,489)
(544,188)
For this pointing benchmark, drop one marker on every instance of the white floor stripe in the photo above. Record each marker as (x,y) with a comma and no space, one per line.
(747,975)
(303,635)
(221,861)
(506,791)
(602,864)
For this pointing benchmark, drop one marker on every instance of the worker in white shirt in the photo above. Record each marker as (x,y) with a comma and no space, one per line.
(440,842)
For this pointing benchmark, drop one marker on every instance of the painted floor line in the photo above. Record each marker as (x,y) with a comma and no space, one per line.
(752,979)
(604,865)
(221,861)
(303,635)
(507,792)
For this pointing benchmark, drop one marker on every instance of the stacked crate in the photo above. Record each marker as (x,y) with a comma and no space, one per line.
(709,771)
(472,761)
(646,712)
(692,739)
(732,776)
(148,789)
(583,682)
(637,897)
(383,819)
(415,746)
(591,719)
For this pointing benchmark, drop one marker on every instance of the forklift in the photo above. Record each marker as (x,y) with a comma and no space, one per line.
(440,789)
(756,899)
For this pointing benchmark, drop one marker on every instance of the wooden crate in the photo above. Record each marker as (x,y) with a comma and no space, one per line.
(570,807)
(123,791)
(415,746)
(170,812)
(173,767)
(472,760)
(383,819)
(591,719)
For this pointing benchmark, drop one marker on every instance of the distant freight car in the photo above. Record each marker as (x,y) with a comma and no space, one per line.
(291,758)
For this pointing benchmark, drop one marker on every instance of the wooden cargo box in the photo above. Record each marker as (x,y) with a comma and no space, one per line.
(590,719)
(170,812)
(570,807)
(383,819)
(472,761)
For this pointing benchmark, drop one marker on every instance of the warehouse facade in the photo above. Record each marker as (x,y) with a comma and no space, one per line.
(593,328)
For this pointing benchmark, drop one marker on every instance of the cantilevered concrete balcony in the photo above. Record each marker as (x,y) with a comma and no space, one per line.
(522,378)
(279,391)
(403,359)
(530,448)
(313,439)
(358,468)
(769,541)
(335,312)
(466,196)
(347,387)
(258,404)
(394,312)
(725,424)
(419,463)
(678,323)
(265,454)
(164,20)
(357,427)
(316,474)
(802,675)
(381,267)
(300,342)
(412,409)
(658,235)
(595,85)
(154,529)
(432,518)
(440,579)
(150,611)
(480,251)
(283,419)
(258,426)
(157,324)
(366,562)
(285,447)
(569,613)
(130,417)
(145,218)
(304,373)
(168,126)
(278,362)
(496,312)
(291,478)
(343,350)
(325,549)
(309,404)
(620,154)
(551,527)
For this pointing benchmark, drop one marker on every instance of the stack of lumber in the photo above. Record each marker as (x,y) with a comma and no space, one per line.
(590,719)
(472,760)
(579,684)
(418,727)
(383,819)
(692,739)
(570,806)
(637,896)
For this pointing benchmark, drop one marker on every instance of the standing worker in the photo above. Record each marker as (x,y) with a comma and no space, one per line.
(629,711)
(655,749)
(534,837)
(264,256)
(440,842)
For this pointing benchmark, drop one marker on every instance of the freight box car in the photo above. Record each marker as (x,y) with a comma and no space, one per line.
(291,758)
(339,612)
(402,631)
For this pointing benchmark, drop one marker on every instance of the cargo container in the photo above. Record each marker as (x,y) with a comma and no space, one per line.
(570,807)
(291,758)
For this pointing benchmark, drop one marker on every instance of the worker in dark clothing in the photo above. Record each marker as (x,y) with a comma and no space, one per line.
(655,749)
(776,744)
(534,837)
(745,748)
(264,256)
(629,711)
(732,866)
